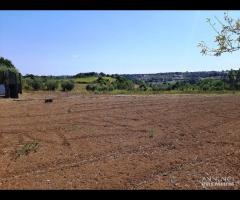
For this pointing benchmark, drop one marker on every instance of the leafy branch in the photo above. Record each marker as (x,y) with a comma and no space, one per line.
(227,38)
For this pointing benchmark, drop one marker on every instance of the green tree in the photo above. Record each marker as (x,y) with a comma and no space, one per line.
(123,83)
(234,79)
(211,85)
(238,79)
(6,62)
(102,81)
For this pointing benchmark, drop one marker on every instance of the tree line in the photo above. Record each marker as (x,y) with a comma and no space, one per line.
(229,82)
(46,83)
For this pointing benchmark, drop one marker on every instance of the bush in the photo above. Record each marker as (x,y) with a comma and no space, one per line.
(99,87)
(91,87)
(26,84)
(122,83)
(102,81)
(37,84)
(143,87)
(102,85)
(162,87)
(32,84)
(51,84)
(211,84)
(67,85)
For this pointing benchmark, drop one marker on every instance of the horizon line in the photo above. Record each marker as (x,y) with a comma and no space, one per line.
(129,73)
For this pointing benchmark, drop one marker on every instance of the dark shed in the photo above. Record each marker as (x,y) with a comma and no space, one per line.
(10,83)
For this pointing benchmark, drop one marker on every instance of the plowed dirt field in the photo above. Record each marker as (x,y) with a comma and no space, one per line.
(119,142)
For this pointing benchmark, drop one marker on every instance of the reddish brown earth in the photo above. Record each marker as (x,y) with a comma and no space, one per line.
(120,142)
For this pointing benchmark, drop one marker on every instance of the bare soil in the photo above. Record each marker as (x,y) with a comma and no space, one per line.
(119,142)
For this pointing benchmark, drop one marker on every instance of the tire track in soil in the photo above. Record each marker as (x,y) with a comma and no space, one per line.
(72,163)
(135,149)
(119,106)
(103,157)
(65,140)
(156,173)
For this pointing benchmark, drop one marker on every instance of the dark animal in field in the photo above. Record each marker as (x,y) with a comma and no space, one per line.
(49,100)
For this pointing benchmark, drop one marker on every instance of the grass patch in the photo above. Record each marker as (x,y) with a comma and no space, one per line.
(75,127)
(109,78)
(85,80)
(27,148)
(151,132)
(80,88)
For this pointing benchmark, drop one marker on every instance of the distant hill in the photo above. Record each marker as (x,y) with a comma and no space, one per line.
(176,76)
(150,78)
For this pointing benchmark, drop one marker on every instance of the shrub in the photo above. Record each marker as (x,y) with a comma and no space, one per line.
(102,81)
(36,84)
(99,87)
(27,148)
(67,85)
(143,87)
(32,84)
(102,84)
(211,84)
(91,87)
(26,86)
(122,83)
(51,84)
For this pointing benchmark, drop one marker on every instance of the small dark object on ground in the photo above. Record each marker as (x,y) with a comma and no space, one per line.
(48,100)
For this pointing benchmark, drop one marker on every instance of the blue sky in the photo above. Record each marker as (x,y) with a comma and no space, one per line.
(69,42)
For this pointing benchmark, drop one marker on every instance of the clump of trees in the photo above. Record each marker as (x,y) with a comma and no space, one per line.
(31,82)
(234,79)
(161,87)
(102,84)
(211,85)
(123,83)
(230,82)
(88,74)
